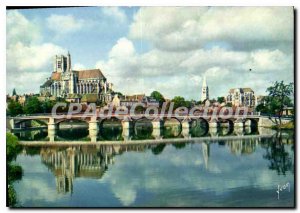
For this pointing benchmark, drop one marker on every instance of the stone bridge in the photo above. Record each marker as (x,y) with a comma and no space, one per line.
(127,121)
(94,123)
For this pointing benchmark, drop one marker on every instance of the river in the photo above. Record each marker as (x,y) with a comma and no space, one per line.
(217,172)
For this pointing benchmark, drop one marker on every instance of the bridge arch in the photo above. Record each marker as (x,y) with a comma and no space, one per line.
(71,120)
(42,122)
(142,128)
(228,128)
(251,126)
(111,129)
(172,129)
(199,127)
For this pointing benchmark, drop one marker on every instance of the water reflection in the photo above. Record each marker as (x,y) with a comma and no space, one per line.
(92,161)
(71,134)
(110,130)
(32,135)
(279,159)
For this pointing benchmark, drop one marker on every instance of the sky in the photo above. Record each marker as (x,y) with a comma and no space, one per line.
(142,49)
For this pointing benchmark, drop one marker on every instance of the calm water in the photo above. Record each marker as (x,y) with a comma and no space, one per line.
(226,173)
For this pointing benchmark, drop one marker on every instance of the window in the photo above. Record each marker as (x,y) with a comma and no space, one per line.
(59,64)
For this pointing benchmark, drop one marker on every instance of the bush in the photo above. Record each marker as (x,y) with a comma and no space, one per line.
(15,172)
(12,198)
(12,146)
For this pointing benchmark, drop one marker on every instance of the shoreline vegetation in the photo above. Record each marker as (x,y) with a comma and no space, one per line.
(14,172)
(287,126)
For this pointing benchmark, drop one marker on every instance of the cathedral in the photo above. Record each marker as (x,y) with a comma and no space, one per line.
(67,83)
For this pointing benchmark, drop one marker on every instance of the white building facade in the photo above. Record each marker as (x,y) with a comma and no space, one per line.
(241,97)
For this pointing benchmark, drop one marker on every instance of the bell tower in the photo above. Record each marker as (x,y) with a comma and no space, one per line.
(60,63)
(205,92)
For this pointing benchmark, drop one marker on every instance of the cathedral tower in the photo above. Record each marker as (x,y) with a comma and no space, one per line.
(60,63)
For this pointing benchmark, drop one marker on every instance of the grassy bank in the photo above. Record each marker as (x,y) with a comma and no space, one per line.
(14,172)
(286,126)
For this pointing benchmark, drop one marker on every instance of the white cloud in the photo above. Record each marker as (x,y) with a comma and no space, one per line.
(115,13)
(63,24)
(18,28)
(266,60)
(123,48)
(28,61)
(180,73)
(34,57)
(78,66)
(186,28)
(184,44)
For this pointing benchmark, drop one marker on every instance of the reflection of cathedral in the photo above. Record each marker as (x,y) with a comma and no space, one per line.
(67,83)
(81,161)
(74,162)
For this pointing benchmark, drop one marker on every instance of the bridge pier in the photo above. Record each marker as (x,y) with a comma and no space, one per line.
(213,124)
(239,131)
(12,123)
(126,123)
(51,124)
(157,123)
(93,134)
(247,129)
(239,127)
(213,131)
(126,134)
(156,133)
(93,129)
(238,123)
(248,122)
(185,132)
(186,123)
(93,124)
(51,135)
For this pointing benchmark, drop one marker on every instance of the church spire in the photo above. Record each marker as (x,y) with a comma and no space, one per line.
(204,92)
(204,82)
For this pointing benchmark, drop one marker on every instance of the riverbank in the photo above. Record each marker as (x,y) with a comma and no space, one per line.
(286,126)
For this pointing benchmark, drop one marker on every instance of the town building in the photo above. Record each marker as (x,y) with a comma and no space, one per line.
(65,82)
(205,90)
(130,100)
(241,97)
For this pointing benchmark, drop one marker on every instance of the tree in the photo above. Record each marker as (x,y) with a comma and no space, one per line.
(14,92)
(33,105)
(158,96)
(178,102)
(261,108)
(119,94)
(221,100)
(228,104)
(278,99)
(189,104)
(47,106)
(14,108)
(139,109)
